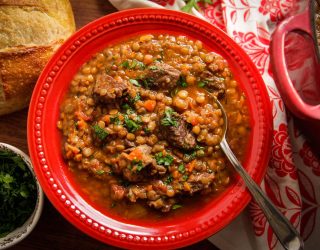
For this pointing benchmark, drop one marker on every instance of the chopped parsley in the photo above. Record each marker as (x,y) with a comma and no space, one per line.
(182,82)
(133,100)
(168,119)
(202,84)
(185,177)
(100,132)
(18,192)
(130,124)
(168,180)
(176,206)
(134,82)
(181,168)
(125,64)
(138,164)
(126,107)
(134,64)
(115,120)
(147,131)
(165,160)
(100,172)
(153,67)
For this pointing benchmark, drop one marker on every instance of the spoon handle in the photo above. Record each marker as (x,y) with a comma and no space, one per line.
(286,233)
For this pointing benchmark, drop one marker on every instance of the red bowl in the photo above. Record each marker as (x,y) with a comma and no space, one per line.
(45,141)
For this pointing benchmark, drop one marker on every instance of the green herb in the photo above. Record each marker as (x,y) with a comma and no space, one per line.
(181,168)
(18,192)
(202,84)
(190,156)
(126,107)
(113,205)
(134,82)
(134,64)
(168,180)
(133,100)
(115,120)
(165,160)
(130,124)
(185,177)
(168,119)
(139,165)
(100,172)
(193,4)
(182,82)
(176,206)
(147,131)
(125,64)
(153,67)
(140,65)
(100,132)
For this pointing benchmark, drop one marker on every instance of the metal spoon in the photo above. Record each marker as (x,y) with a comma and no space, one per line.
(286,233)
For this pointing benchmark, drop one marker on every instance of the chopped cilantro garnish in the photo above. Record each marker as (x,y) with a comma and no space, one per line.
(202,84)
(190,156)
(147,131)
(134,82)
(165,160)
(168,180)
(182,82)
(126,107)
(140,64)
(100,172)
(130,124)
(133,100)
(176,206)
(168,119)
(138,164)
(18,192)
(181,168)
(185,177)
(153,67)
(125,64)
(100,132)
(134,64)
(115,119)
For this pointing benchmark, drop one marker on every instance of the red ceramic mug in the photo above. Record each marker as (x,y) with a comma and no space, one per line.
(294,52)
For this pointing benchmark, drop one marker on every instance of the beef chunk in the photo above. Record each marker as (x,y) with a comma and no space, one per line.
(162,76)
(134,170)
(117,192)
(214,83)
(107,89)
(176,131)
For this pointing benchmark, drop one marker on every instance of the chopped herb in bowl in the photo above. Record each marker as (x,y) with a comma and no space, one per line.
(18,192)
(21,197)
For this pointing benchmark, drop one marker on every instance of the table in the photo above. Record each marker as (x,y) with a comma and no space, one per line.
(53,231)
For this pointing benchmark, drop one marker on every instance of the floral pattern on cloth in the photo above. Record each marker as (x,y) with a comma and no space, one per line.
(292,180)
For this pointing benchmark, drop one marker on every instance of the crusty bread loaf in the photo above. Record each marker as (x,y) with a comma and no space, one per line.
(30,32)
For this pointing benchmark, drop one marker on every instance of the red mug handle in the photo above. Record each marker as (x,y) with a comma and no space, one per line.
(290,95)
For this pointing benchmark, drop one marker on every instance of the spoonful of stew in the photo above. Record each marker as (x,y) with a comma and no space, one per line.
(286,233)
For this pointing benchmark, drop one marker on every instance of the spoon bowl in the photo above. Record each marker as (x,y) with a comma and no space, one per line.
(285,232)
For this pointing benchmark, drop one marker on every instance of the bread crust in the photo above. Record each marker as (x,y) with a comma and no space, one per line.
(25,51)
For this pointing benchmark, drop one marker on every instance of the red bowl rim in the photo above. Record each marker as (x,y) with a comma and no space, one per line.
(70,210)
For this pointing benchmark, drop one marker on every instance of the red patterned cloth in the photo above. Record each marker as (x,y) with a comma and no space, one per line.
(292,180)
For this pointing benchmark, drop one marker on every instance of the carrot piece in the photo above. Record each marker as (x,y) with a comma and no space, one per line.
(106,119)
(149,105)
(82,116)
(194,121)
(190,166)
(136,154)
